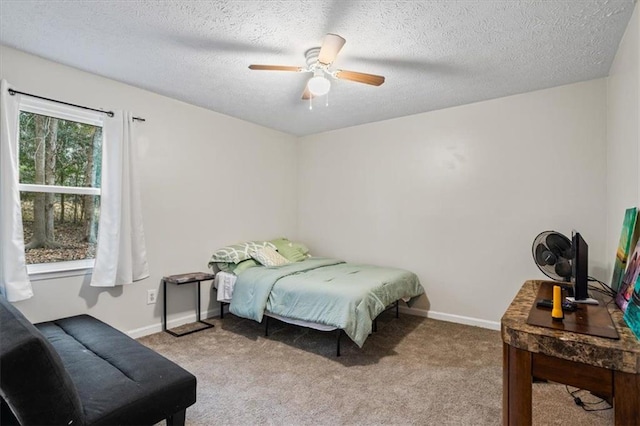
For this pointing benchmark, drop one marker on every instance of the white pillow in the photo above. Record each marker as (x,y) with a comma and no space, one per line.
(269,257)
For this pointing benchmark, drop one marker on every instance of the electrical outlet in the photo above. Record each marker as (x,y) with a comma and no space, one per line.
(152,295)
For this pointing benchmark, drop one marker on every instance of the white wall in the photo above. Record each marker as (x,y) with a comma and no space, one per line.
(623,134)
(458,195)
(207,180)
(455,195)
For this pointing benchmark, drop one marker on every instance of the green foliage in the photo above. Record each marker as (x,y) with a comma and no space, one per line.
(27,148)
(59,152)
(74,143)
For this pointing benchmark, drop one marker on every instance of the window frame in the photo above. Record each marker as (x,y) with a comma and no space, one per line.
(52,270)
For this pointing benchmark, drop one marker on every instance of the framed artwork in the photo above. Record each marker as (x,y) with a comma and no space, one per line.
(629,280)
(624,246)
(632,314)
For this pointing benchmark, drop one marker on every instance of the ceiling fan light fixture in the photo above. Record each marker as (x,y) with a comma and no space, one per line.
(319,85)
(319,61)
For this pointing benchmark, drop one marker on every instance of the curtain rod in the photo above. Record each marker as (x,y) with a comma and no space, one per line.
(109,113)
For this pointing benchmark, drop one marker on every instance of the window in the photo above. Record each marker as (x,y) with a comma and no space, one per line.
(60,157)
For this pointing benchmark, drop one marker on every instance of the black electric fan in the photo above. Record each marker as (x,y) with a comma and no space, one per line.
(553,254)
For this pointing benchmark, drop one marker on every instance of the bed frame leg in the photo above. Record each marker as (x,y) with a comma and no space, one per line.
(221,310)
(266,326)
(338,342)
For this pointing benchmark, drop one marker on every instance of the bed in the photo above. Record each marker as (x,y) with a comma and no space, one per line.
(321,293)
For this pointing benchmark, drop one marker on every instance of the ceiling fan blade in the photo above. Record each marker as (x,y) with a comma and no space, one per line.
(276,68)
(307,93)
(330,47)
(360,77)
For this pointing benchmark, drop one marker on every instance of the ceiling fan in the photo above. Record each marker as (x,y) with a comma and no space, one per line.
(319,61)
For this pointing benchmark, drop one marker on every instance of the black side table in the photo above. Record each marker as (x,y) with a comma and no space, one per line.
(180,279)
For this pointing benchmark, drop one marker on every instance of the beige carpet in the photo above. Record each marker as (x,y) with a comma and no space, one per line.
(412,371)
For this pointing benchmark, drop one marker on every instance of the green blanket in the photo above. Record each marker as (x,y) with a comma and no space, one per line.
(326,291)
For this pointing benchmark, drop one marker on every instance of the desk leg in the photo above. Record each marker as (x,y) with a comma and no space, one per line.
(198,308)
(626,398)
(164,305)
(516,386)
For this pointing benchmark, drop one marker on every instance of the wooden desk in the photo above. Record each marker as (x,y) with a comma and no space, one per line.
(607,367)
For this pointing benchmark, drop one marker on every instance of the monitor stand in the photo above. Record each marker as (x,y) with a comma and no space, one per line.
(588,300)
(571,298)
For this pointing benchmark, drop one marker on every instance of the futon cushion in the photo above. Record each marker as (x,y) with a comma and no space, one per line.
(33,381)
(119,380)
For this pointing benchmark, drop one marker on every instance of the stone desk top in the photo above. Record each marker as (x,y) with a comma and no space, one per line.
(189,277)
(622,355)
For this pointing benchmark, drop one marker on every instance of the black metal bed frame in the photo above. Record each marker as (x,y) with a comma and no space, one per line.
(339,331)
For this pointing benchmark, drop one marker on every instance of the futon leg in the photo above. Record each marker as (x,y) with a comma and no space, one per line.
(177,419)
(338,342)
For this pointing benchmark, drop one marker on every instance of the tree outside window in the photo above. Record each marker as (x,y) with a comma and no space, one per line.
(60,171)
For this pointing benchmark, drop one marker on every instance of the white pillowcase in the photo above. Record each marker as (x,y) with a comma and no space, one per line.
(269,257)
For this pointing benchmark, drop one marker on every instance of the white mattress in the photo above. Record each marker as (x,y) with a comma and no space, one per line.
(224,283)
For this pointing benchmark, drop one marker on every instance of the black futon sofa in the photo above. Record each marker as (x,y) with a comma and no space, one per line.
(81,371)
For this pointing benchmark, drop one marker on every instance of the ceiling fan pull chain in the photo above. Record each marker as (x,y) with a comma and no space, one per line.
(310,103)
(327,101)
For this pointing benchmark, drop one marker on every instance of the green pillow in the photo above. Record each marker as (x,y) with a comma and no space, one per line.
(287,249)
(236,268)
(225,267)
(244,265)
(303,249)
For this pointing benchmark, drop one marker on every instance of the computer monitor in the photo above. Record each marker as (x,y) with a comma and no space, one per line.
(580,270)
(580,267)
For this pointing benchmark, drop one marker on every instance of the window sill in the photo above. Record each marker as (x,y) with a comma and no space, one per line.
(48,271)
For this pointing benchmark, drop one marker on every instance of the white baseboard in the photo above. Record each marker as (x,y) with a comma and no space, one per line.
(492,325)
(156,328)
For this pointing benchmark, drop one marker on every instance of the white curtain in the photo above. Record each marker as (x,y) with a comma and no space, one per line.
(14,280)
(121,256)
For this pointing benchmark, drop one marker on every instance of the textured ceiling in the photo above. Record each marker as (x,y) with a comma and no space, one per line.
(434,54)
